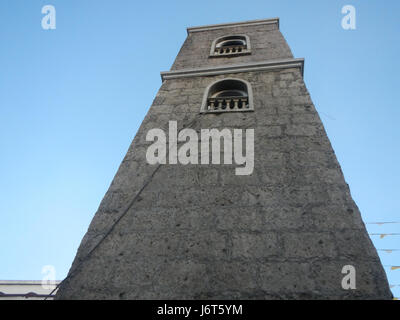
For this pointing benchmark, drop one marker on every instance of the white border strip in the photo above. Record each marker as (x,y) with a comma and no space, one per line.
(235,68)
(233,24)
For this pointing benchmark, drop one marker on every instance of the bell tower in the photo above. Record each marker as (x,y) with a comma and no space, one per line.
(279,225)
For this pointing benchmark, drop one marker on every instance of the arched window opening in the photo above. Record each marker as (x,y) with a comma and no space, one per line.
(228,95)
(231,46)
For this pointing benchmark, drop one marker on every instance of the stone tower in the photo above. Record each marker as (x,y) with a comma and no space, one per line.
(201,231)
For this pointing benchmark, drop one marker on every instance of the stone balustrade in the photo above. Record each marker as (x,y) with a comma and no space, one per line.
(230,50)
(227,104)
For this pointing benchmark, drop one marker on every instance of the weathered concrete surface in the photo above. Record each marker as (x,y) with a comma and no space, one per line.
(201,232)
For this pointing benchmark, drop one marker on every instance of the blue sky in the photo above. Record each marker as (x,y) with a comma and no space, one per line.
(72,99)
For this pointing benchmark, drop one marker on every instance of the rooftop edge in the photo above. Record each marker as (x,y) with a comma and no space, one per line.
(233,24)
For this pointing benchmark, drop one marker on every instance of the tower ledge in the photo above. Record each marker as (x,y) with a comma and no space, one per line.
(233,24)
(235,68)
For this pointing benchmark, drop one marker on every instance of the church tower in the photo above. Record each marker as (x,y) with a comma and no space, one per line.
(281,225)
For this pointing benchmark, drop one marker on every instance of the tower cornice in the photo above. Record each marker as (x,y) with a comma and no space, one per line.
(235,68)
(233,24)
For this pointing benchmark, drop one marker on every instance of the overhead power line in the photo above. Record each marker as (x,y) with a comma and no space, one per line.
(382,223)
(383,235)
(388,250)
(393,268)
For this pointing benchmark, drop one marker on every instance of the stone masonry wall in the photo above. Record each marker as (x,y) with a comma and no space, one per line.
(201,232)
(266,41)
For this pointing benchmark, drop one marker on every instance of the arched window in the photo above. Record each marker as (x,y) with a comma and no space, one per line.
(228,95)
(232,45)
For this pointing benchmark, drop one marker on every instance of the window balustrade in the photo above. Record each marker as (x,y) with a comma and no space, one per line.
(227,104)
(227,50)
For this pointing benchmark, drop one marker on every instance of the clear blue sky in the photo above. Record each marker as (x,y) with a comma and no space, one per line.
(72,99)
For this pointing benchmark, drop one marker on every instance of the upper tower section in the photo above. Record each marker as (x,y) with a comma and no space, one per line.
(232,43)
